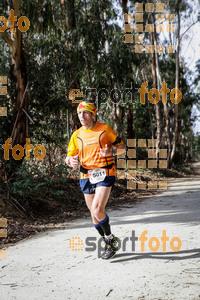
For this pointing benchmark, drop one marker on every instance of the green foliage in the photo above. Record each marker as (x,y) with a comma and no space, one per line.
(33,181)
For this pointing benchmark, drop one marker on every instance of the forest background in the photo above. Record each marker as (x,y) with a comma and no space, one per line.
(74,44)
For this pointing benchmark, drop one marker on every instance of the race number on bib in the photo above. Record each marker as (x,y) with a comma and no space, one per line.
(97,175)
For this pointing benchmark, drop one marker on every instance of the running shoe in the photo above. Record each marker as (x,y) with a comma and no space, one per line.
(110,248)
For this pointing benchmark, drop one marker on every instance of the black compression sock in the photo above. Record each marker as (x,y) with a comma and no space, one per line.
(99,229)
(105,225)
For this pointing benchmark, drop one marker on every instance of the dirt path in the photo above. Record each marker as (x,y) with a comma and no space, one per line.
(44,267)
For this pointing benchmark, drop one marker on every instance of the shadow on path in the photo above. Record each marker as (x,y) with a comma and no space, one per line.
(193,253)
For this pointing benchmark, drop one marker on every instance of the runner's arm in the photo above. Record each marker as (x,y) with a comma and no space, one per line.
(118,146)
(73,153)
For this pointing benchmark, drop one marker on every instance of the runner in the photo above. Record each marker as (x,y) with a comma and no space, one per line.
(92,144)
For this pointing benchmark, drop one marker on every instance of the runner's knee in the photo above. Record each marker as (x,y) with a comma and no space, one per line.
(97,212)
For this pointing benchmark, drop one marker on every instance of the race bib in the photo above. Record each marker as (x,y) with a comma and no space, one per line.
(97,175)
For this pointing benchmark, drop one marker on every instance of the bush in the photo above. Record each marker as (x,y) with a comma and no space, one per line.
(32,180)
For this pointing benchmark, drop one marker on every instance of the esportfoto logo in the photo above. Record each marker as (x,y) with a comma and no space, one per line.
(146,244)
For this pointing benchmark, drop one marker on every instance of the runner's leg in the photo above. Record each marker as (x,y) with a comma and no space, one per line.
(98,210)
(98,207)
(99,202)
(89,200)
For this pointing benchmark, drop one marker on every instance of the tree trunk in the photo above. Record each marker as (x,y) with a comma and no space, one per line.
(167,130)
(167,123)
(157,106)
(124,6)
(18,76)
(130,132)
(69,19)
(18,73)
(151,121)
(144,78)
(176,128)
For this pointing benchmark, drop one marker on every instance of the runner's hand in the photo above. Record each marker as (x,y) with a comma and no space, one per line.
(105,152)
(72,161)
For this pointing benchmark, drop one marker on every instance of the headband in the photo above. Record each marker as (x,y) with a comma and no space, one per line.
(87,106)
